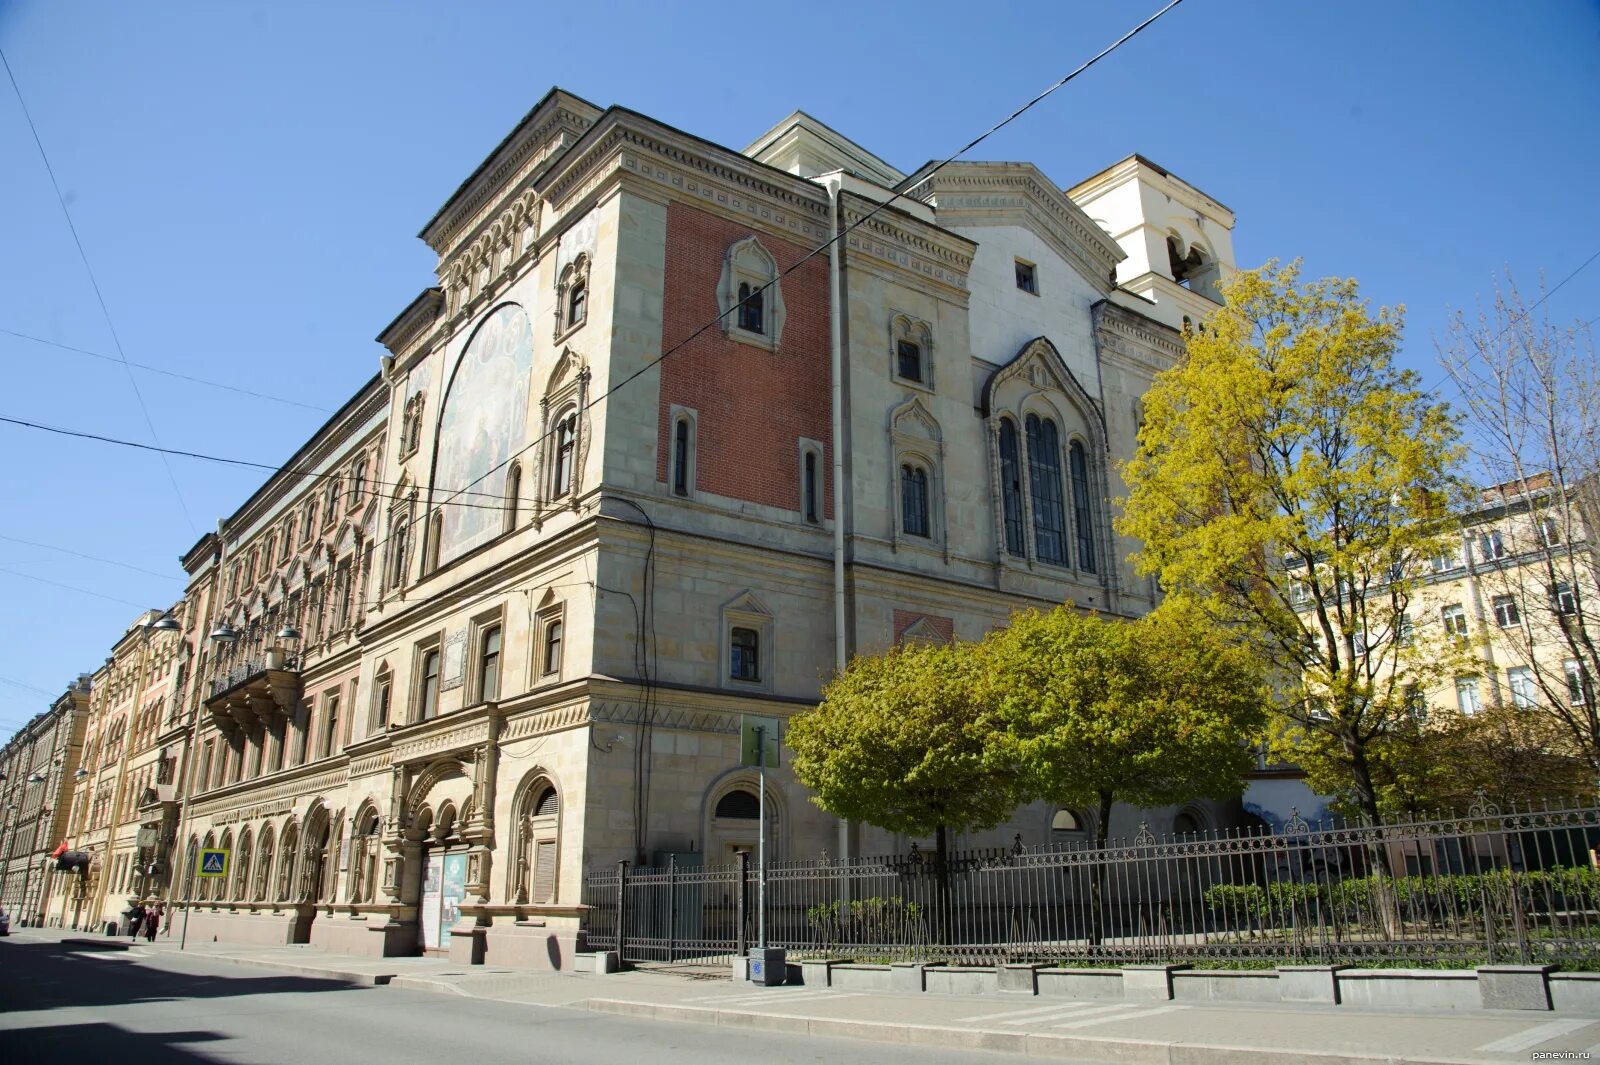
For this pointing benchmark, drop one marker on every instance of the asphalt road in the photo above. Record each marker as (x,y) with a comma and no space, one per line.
(81,1006)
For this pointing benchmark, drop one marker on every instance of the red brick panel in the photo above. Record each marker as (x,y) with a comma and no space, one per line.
(753,405)
(904,619)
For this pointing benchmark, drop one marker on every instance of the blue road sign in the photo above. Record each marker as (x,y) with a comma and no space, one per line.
(213,863)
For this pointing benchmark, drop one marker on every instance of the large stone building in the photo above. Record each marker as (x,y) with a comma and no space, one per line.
(647,457)
(38,766)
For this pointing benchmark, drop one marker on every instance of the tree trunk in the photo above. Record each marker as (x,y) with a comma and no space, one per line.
(1384,903)
(1097,882)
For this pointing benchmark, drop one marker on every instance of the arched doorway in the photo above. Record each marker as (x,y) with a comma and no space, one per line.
(314,859)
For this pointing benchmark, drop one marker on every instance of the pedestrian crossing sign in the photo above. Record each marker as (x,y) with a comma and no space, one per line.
(213,863)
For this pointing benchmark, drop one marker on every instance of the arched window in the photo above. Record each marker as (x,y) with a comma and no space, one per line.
(751,314)
(263,869)
(358,479)
(566,442)
(241,867)
(1044,475)
(577,304)
(740,804)
(1185,823)
(914,500)
(538,834)
(310,528)
(1082,516)
(1011,488)
(286,856)
(364,860)
(513,494)
(288,540)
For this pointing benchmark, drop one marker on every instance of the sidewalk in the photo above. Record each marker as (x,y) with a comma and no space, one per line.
(1135,1033)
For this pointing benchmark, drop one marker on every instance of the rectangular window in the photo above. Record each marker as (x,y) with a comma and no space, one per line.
(1454,617)
(544,870)
(380,703)
(1492,546)
(1467,695)
(909,360)
(808,487)
(744,660)
(428,693)
(330,726)
(1416,705)
(1506,614)
(552,647)
(1444,563)
(489,665)
(914,500)
(1564,599)
(1405,630)
(1577,682)
(1524,693)
(1549,532)
(680,457)
(1027,279)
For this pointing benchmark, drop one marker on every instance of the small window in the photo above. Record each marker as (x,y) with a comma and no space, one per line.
(1027,279)
(358,479)
(380,702)
(577,304)
(809,482)
(909,360)
(680,457)
(552,648)
(489,665)
(1549,532)
(1506,614)
(428,703)
(1467,695)
(739,805)
(1491,545)
(914,500)
(1454,617)
(1564,599)
(1524,691)
(744,661)
(751,316)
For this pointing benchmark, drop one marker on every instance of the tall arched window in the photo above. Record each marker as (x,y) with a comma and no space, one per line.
(1082,516)
(513,492)
(566,442)
(810,489)
(1011,487)
(914,500)
(263,869)
(1044,474)
(241,867)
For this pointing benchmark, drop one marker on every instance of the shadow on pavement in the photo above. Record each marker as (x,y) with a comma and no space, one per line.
(43,976)
(105,1042)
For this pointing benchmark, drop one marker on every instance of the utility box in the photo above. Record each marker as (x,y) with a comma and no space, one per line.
(768,966)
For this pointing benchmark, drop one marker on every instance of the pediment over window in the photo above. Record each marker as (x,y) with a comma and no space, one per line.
(913,418)
(1038,366)
(297,576)
(276,591)
(746,602)
(349,539)
(922,631)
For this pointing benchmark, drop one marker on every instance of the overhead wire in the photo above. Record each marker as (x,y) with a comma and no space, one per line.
(427,508)
(91,558)
(167,373)
(95,284)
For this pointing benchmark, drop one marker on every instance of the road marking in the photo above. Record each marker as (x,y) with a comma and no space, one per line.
(1534,1036)
(1119,1013)
(1019,1013)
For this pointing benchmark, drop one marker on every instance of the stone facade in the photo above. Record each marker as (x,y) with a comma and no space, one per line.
(497,621)
(37,768)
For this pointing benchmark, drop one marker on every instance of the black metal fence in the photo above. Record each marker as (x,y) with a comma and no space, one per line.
(1477,888)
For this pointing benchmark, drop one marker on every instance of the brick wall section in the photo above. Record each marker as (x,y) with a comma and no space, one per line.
(753,406)
(904,619)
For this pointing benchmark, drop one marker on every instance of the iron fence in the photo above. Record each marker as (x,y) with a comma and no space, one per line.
(1481,887)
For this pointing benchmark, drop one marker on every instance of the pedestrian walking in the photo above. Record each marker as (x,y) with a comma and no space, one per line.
(152,922)
(135,919)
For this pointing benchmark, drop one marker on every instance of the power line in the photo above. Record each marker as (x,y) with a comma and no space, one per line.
(897,195)
(29,687)
(91,558)
(95,284)
(74,588)
(167,373)
(425,511)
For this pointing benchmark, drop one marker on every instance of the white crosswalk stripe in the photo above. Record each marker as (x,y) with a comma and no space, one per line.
(1128,1013)
(1007,1016)
(1532,1037)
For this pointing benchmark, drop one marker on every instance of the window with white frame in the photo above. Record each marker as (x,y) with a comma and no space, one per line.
(552,637)
(750,296)
(1454,617)
(911,347)
(563,454)
(1564,599)
(572,295)
(1446,561)
(1524,690)
(681,453)
(1467,695)
(488,685)
(426,702)
(1549,532)
(914,500)
(1578,682)
(747,643)
(811,482)
(1506,614)
(1491,546)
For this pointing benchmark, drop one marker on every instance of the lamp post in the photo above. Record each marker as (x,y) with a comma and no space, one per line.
(223,634)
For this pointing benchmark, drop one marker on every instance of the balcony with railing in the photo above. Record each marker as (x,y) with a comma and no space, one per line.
(254,693)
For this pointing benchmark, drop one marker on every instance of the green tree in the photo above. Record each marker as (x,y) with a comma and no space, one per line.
(1149,712)
(902,740)
(1294,483)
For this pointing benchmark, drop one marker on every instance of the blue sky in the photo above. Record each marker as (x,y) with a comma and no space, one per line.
(248,180)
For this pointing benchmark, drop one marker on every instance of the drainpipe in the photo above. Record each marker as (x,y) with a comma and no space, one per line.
(841,651)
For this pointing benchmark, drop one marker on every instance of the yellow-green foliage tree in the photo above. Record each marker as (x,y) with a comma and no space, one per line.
(904,741)
(1149,712)
(1293,482)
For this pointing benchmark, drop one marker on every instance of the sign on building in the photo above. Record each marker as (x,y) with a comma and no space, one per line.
(213,862)
(749,728)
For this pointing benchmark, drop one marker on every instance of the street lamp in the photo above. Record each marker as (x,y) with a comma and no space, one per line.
(165,623)
(80,773)
(36,778)
(225,633)
(288,632)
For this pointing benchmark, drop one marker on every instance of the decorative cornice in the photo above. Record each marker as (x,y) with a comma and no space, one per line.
(1150,345)
(904,243)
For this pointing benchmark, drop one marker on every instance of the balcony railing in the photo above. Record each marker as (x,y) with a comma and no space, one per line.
(244,671)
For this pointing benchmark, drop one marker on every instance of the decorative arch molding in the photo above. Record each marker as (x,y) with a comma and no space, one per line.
(715,833)
(916,440)
(746,268)
(563,436)
(434,774)
(1040,364)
